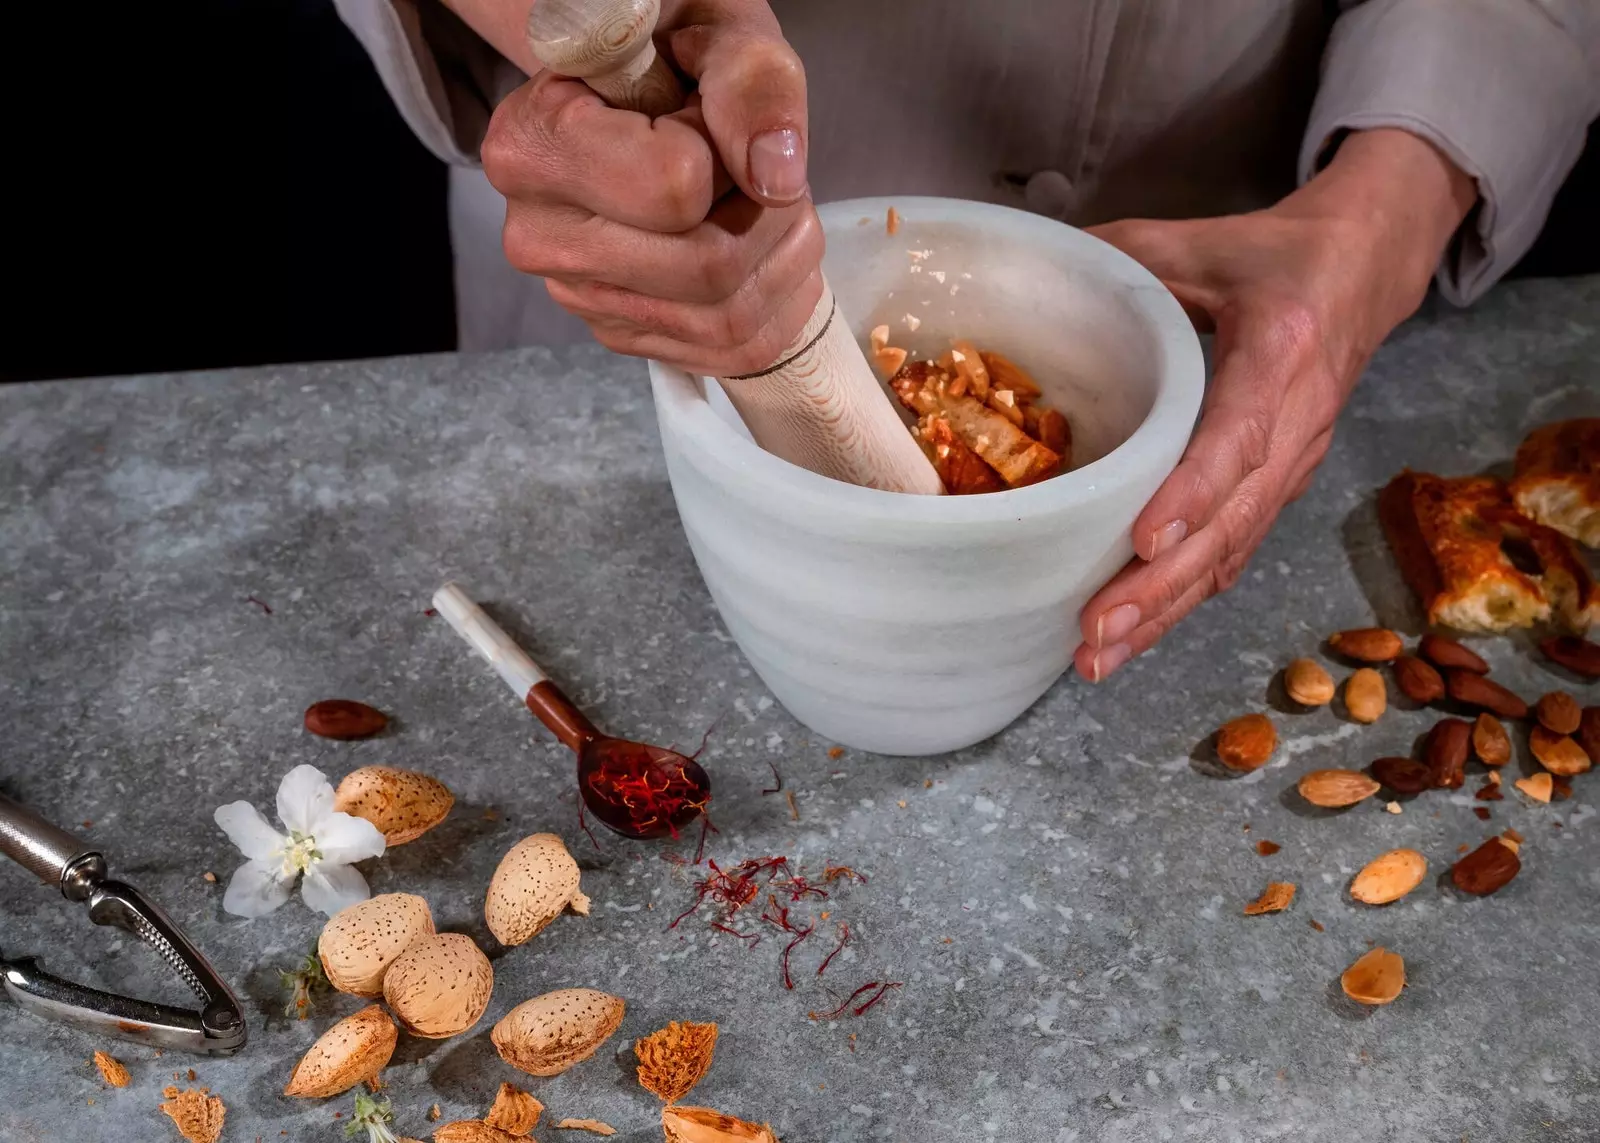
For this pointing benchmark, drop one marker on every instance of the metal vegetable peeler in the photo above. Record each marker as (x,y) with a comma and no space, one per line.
(57,858)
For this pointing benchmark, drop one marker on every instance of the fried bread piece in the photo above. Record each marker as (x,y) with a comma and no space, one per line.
(1558,478)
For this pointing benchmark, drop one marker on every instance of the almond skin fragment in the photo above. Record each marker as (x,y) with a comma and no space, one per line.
(1334,789)
(1274,899)
(1307,683)
(1247,742)
(1367,644)
(1486,869)
(1557,753)
(515,1111)
(1490,742)
(344,719)
(354,1049)
(1445,751)
(111,1070)
(1448,655)
(1579,656)
(1558,712)
(1402,775)
(1365,696)
(702,1125)
(1538,786)
(1389,877)
(1475,690)
(1417,680)
(1375,978)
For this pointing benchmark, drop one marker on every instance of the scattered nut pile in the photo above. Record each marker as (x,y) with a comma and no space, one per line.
(1564,738)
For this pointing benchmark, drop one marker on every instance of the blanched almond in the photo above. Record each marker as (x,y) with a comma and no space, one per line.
(439,986)
(1557,753)
(1308,683)
(549,1034)
(1490,742)
(1336,788)
(1538,786)
(535,881)
(1367,644)
(354,1049)
(1375,978)
(1365,696)
(1389,877)
(358,944)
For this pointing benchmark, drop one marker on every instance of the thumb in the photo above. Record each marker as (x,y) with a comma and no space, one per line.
(753,96)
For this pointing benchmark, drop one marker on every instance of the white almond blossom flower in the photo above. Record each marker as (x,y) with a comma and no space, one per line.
(321,843)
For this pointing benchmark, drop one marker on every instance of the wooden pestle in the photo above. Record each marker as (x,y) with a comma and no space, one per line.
(819,405)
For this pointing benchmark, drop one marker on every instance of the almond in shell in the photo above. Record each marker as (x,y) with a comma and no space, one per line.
(535,881)
(1375,978)
(702,1125)
(403,804)
(358,944)
(1367,644)
(1333,789)
(354,1049)
(549,1034)
(439,986)
(1247,742)
(1389,877)
(1308,683)
(1365,696)
(1557,753)
(1490,742)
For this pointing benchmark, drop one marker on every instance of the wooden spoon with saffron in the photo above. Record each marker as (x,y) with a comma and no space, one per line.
(635,789)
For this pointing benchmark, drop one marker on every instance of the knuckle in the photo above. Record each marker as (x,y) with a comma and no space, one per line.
(1298,330)
(1253,441)
(722,271)
(680,189)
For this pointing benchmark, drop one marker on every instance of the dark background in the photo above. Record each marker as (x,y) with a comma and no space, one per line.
(198,183)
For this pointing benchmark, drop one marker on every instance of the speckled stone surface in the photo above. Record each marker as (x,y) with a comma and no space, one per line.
(1063,903)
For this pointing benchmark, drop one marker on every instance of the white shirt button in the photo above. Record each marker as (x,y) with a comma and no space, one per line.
(1049,193)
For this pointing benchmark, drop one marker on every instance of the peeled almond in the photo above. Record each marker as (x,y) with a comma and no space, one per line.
(535,881)
(702,1125)
(548,1034)
(1389,877)
(514,1111)
(358,944)
(403,804)
(354,1049)
(439,986)
(1375,978)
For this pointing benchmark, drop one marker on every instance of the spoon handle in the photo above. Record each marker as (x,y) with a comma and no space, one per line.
(489,639)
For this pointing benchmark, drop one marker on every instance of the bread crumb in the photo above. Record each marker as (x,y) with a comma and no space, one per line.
(196,1114)
(913,322)
(1393,807)
(593,1125)
(111,1070)
(210,876)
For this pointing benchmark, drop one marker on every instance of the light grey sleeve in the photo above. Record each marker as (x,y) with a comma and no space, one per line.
(1505,88)
(445,80)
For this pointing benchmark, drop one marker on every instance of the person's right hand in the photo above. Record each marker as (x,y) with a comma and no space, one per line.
(691,238)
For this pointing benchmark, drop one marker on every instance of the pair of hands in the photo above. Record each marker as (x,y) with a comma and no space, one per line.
(692,239)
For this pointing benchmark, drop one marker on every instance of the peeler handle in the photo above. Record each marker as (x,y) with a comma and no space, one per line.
(50,853)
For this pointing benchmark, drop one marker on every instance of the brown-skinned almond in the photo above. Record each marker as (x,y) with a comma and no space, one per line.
(1365,696)
(1486,869)
(403,804)
(1475,690)
(534,882)
(1448,655)
(1307,683)
(344,719)
(1589,731)
(1490,742)
(1558,712)
(549,1034)
(1402,775)
(1557,753)
(1417,680)
(1333,789)
(358,944)
(1580,656)
(1445,750)
(1367,644)
(1389,877)
(702,1125)
(1247,742)
(439,986)
(353,1050)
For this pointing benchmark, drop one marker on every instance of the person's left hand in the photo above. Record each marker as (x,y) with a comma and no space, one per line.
(1299,296)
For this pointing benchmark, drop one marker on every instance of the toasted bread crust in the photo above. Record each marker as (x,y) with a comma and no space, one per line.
(1558,478)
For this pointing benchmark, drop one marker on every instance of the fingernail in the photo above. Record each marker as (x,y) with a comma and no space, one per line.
(1168,537)
(1115,625)
(1107,660)
(778,164)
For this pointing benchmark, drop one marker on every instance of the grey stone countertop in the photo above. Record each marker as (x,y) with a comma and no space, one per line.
(1062,904)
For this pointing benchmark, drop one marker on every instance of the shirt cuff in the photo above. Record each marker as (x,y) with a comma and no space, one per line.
(1497,85)
(444,79)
